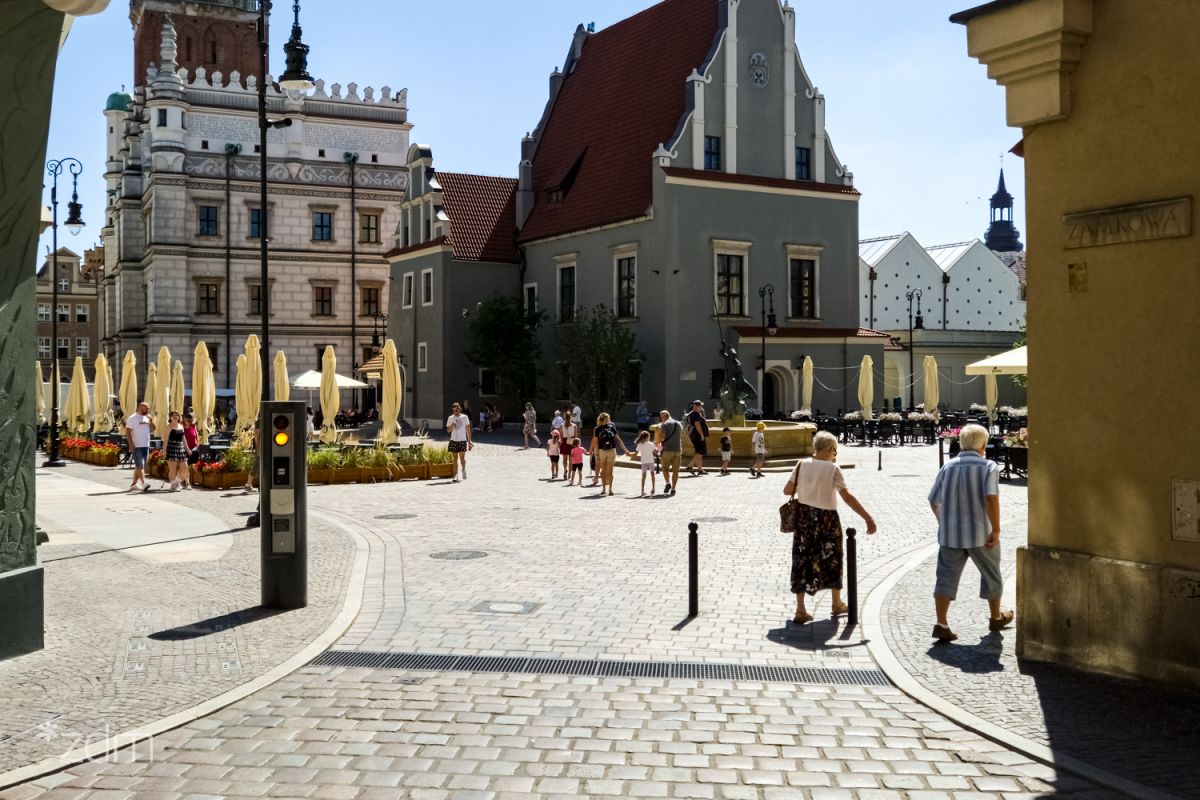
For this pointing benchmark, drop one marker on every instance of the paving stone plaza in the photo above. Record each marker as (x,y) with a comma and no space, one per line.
(527,639)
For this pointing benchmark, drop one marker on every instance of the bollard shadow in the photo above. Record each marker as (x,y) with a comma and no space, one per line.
(980,658)
(683,623)
(207,627)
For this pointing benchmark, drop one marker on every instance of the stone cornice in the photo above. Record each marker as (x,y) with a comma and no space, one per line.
(78,8)
(1031,48)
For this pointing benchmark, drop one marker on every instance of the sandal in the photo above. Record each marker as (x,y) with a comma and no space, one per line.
(800,619)
(1000,623)
(839,609)
(944,634)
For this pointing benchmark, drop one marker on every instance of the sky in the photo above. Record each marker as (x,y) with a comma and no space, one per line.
(915,119)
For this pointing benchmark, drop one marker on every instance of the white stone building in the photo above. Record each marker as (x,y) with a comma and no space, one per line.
(183,224)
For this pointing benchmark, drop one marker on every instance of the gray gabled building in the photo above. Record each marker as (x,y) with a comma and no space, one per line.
(682,176)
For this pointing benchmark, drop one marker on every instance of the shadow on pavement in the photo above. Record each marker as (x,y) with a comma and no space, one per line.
(976,658)
(207,627)
(147,544)
(812,636)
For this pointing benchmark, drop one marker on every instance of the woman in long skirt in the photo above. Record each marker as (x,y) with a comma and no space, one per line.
(817,543)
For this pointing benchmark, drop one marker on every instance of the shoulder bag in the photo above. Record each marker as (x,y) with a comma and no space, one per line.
(789,511)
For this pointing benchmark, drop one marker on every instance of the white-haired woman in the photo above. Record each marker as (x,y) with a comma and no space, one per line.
(817,543)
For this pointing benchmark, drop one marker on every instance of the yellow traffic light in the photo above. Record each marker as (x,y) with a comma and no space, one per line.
(281,438)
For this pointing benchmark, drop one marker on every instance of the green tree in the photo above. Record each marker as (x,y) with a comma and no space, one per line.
(1022,380)
(603,361)
(503,335)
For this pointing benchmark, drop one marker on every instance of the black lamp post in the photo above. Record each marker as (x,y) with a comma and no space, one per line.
(379,319)
(74,224)
(767,317)
(295,78)
(918,326)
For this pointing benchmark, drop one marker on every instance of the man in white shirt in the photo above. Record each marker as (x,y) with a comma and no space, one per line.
(138,428)
(576,414)
(458,425)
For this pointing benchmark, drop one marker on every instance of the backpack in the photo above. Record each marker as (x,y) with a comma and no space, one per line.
(606,436)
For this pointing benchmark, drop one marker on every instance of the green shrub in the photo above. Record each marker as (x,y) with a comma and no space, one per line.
(437,455)
(325,458)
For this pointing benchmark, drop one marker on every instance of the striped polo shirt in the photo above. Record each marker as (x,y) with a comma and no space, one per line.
(961,489)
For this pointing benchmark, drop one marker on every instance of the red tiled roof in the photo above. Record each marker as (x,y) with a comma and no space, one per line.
(440,241)
(625,96)
(749,332)
(759,180)
(483,216)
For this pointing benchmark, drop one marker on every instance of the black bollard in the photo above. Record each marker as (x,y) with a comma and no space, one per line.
(693,570)
(852,576)
(881,461)
(941,452)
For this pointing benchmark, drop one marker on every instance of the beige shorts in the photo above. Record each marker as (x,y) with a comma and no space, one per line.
(605,458)
(670,460)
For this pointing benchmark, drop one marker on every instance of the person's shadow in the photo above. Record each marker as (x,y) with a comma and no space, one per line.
(811,636)
(979,658)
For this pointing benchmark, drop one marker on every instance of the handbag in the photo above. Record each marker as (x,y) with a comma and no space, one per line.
(789,511)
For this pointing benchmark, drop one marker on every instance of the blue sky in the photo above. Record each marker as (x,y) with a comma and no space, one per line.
(916,120)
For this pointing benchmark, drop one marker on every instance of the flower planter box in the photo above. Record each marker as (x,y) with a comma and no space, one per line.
(220,480)
(441,470)
(411,471)
(334,476)
(106,458)
(376,475)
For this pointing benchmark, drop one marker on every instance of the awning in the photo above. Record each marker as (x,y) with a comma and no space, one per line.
(374,365)
(1014,362)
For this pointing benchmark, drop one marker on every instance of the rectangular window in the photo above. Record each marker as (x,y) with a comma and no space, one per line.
(323,301)
(370,301)
(633,382)
(368,229)
(64,284)
(322,226)
(804,163)
(562,380)
(427,287)
(368,353)
(44,315)
(207,225)
(254,293)
(803,288)
(82,347)
(208,298)
(406,291)
(627,286)
(64,347)
(712,152)
(489,382)
(162,118)
(320,355)
(64,312)
(716,379)
(44,347)
(214,355)
(256,223)
(81,313)
(566,295)
(530,297)
(730,285)
(422,357)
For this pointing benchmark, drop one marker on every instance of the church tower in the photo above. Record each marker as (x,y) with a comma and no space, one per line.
(219,35)
(1002,235)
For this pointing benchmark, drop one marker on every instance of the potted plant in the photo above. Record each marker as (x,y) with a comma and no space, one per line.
(107,455)
(440,462)
(376,464)
(321,463)
(409,463)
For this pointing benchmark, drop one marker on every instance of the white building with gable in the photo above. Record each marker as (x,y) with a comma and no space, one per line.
(184,222)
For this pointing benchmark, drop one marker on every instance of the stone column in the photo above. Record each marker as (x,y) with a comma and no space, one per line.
(29,39)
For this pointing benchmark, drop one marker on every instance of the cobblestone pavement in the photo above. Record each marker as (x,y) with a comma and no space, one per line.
(566,574)
(129,641)
(1131,729)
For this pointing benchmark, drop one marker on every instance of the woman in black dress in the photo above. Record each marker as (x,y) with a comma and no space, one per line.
(177,453)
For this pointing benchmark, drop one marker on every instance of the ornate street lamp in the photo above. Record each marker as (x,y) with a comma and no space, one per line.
(767,317)
(295,78)
(379,319)
(73,223)
(918,326)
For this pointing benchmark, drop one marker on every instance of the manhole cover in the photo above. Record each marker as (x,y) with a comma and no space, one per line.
(459,555)
(905,475)
(506,607)
(396,516)
(714,519)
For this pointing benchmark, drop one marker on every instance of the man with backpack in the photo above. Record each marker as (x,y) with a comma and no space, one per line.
(669,438)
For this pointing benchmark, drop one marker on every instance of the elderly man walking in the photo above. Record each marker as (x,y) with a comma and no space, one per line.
(965,498)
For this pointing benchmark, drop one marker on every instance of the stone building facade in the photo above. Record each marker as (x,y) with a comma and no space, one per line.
(681,165)
(77,311)
(184,221)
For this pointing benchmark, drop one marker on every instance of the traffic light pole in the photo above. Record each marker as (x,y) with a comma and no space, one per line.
(283,504)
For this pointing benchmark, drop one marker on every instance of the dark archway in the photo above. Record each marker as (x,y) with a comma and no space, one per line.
(770,396)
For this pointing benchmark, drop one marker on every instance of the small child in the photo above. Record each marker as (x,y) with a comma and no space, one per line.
(646,451)
(577,454)
(759,440)
(726,450)
(552,450)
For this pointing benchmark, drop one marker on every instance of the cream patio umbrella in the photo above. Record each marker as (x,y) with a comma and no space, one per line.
(77,416)
(102,417)
(178,391)
(866,386)
(151,385)
(389,413)
(993,397)
(283,391)
(202,391)
(330,401)
(162,393)
(39,403)
(239,391)
(806,382)
(129,389)
(1014,362)
(254,382)
(932,387)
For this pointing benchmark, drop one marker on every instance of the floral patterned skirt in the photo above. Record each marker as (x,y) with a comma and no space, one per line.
(816,550)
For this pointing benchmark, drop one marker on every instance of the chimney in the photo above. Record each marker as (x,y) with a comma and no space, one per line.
(581,35)
(556,82)
(525,194)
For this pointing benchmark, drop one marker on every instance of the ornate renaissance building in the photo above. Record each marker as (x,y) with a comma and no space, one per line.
(184,221)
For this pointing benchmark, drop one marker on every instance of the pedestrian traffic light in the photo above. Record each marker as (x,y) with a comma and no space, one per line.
(282,483)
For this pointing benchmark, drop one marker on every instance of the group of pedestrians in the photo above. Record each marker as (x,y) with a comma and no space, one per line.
(182,447)
(965,500)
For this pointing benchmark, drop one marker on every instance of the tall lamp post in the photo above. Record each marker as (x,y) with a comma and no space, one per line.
(295,78)
(918,326)
(380,319)
(74,224)
(766,295)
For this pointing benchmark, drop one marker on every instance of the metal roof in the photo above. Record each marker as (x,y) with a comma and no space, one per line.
(872,251)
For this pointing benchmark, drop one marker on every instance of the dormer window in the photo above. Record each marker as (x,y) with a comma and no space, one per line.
(556,195)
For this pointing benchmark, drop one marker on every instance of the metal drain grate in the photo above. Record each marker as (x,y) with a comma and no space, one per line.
(459,555)
(625,669)
(714,519)
(396,516)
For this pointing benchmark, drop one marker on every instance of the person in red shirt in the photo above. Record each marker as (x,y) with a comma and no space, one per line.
(577,454)
(191,438)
